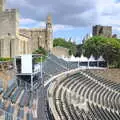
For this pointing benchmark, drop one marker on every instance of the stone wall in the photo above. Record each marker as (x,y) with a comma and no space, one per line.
(37,37)
(41,37)
(60,51)
(7,46)
(11,46)
(24,45)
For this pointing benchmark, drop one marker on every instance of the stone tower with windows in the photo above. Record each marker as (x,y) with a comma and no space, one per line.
(105,31)
(49,33)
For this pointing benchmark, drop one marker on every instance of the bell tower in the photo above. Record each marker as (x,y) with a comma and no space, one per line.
(49,34)
(2,5)
(49,21)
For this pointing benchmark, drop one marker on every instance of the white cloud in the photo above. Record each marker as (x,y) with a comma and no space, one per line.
(58,27)
(26,21)
(68,14)
(21,3)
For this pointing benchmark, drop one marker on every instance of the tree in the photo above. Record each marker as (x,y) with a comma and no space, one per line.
(108,47)
(79,50)
(66,44)
(40,50)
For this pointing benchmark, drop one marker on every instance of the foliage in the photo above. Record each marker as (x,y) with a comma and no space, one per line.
(5,59)
(42,52)
(66,44)
(79,50)
(108,47)
(40,59)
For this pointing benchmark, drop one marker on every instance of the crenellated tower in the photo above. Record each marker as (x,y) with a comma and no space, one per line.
(49,33)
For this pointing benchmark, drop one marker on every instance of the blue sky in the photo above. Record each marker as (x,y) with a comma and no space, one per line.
(71,18)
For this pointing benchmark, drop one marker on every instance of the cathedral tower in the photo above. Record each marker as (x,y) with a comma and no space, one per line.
(49,32)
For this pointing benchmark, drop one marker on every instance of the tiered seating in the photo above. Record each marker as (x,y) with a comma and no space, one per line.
(101,98)
(107,83)
(20,113)
(54,65)
(109,74)
(26,99)
(103,113)
(15,96)
(10,109)
(58,60)
(8,116)
(9,91)
(2,104)
(1,91)
(29,116)
(52,68)
(65,64)
(30,102)
(22,100)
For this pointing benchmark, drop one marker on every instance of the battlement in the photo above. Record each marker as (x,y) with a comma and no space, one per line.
(11,10)
(9,22)
(32,29)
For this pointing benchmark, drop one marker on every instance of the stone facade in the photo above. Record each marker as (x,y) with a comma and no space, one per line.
(105,31)
(11,46)
(41,37)
(16,41)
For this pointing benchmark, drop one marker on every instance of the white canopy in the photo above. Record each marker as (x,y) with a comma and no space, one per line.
(83,59)
(101,58)
(92,58)
(72,58)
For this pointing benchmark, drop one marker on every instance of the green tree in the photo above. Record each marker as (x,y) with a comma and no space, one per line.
(79,50)
(108,47)
(40,50)
(66,44)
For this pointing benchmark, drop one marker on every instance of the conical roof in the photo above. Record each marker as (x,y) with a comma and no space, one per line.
(101,58)
(92,58)
(83,58)
(72,58)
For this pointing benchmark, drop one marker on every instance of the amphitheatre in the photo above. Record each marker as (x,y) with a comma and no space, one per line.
(57,89)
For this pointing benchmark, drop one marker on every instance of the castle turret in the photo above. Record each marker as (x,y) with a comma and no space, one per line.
(49,39)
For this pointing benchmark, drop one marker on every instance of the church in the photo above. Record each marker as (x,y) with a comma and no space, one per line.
(16,41)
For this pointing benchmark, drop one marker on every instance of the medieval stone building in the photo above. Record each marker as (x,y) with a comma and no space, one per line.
(105,31)
(16,41)
(41,37)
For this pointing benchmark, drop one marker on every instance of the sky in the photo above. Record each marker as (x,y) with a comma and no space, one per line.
(71,18)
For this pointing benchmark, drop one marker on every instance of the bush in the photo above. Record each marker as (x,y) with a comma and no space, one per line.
(41,51)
